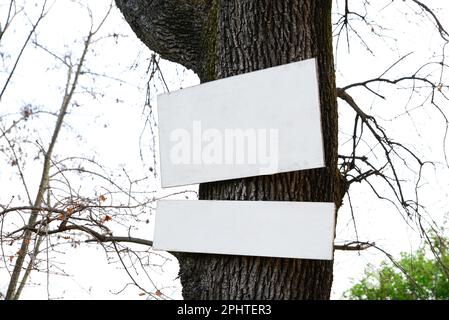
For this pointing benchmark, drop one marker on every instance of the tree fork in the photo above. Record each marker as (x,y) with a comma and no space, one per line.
(172,28)
(230,37)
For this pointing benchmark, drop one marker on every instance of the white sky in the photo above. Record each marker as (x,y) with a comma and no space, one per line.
(108,128)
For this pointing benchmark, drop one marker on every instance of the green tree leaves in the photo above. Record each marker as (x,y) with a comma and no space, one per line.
(425,277)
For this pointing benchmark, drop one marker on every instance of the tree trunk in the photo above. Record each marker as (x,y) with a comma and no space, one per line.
(235,37)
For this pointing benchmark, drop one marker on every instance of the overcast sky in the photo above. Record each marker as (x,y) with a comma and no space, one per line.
(109,124)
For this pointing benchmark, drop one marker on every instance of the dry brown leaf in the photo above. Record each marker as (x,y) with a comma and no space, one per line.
(106,218)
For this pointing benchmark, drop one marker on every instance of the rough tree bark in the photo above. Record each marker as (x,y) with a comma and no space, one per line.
(222,38)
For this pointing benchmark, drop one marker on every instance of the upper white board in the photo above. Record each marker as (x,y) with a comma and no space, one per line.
(263,122)
(285,229)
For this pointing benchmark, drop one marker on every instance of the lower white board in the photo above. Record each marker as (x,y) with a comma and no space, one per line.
(303,230)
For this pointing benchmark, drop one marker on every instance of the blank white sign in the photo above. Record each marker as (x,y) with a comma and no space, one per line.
(303,230)
(263,122)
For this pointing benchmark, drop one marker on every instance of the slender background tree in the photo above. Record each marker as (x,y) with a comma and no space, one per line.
(56,194)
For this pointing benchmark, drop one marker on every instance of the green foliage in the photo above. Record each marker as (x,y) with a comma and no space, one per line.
(424,276)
